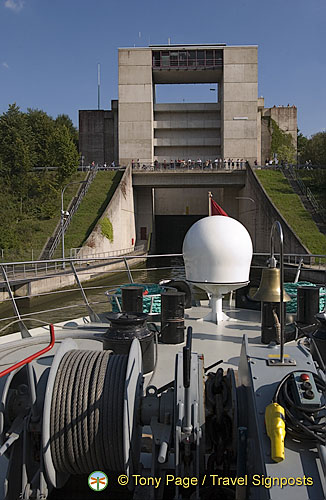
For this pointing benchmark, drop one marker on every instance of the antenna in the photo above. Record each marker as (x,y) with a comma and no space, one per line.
(98,85)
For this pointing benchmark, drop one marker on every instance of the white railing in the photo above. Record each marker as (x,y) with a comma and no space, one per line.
(22,271)
(15,273)
(80,253)
(18,272)
(316,262)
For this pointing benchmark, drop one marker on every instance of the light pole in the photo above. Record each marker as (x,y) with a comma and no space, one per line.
(255,209)
(64,215)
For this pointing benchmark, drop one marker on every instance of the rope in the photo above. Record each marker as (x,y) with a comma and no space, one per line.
(86,421)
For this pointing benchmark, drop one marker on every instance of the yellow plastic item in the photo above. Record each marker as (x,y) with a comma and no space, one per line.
(275,426)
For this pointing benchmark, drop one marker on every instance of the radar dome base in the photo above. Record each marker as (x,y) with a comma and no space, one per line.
(217,253)
(216,292)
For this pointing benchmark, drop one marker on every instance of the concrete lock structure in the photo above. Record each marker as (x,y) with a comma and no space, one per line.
(236,126)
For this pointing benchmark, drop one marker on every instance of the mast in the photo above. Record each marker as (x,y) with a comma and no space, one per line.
(209,203)
(98,85)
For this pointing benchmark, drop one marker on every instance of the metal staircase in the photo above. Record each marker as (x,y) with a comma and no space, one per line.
(308,199)
(55,239)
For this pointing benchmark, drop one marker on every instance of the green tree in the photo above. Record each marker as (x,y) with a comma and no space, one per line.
(315,149)
(286,154)
(17,145)
(9,216)
(282,144)
(63,153)
(42,126)
(302,141)
(27,140)
(65,120)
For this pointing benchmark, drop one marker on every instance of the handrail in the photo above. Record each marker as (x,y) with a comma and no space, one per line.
(23,330)
(73,206)
(306,191)
(194,166)
(78,252)
(22,270)
(89,269)
(33,356)
(87,259)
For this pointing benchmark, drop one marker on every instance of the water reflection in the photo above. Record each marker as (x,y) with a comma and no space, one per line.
(68,304)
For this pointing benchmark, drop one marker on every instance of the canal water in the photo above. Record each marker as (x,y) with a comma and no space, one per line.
(68,304)
(64,305)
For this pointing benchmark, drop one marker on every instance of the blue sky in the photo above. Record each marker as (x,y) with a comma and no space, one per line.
(49,49)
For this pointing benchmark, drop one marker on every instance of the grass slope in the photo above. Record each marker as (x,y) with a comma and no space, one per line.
(90,210)
(46,227)
(42,228)
(315,180)
(290,206)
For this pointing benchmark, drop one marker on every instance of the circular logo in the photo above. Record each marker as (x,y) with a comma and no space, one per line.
(97,480)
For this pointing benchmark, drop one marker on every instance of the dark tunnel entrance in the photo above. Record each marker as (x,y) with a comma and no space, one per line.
(170,231)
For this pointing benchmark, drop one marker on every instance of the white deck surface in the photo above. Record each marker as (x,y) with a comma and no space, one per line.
(215,342)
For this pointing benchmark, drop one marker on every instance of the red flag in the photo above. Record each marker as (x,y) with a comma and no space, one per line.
(216,209)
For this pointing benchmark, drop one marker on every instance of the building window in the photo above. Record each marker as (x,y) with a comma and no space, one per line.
(174,59)
(183,59)
(218,57)
(200,58)
(156,59)
(165,59)
(209,58)
(191,58)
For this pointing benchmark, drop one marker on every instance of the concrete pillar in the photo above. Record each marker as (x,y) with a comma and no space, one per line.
(239,103)
(135,106)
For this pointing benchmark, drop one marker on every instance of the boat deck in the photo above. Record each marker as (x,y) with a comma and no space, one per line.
(215,342)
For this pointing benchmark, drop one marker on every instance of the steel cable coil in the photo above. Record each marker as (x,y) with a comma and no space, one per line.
(86,423)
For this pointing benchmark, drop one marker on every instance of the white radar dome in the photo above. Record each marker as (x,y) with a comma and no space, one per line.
(217,253)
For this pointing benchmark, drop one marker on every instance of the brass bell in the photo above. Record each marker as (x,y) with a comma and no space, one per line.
(269,289)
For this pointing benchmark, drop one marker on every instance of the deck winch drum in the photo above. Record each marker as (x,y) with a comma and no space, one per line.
(90,415)
(124,327)
(172,314)
(308,304)
(86,423)
(132,299)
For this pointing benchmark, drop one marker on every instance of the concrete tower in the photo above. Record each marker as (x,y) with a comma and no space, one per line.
(149,131)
